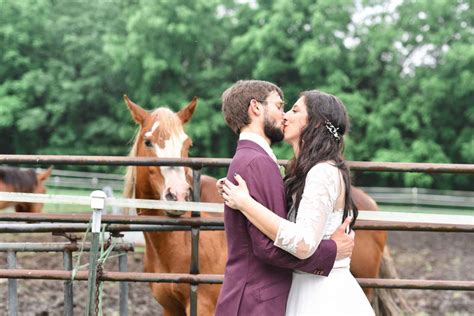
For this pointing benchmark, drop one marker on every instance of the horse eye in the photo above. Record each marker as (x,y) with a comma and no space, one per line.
(148,143)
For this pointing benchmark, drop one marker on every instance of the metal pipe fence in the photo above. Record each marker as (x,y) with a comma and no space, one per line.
(67,248)
(60,223)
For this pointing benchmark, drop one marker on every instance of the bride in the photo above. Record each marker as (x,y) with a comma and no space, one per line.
(318,189)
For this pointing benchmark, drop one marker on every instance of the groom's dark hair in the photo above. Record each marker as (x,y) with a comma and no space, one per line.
(236,101)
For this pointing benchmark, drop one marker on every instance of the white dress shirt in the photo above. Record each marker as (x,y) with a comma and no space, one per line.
(259,140)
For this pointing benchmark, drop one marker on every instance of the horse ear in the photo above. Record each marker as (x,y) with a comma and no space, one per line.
(138,113)
(43,176)
(186,113)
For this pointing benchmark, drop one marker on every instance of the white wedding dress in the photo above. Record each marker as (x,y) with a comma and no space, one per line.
(317,218)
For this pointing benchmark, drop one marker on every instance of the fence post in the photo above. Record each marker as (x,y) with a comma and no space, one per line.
(195,242)
(414,194)
(97,204)
(12,286)
(123,255)
(68,290)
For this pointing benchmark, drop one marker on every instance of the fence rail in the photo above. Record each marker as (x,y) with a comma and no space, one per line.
(369,220)
(199,163)
(218,278)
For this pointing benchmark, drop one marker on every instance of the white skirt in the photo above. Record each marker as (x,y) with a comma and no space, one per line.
(337,294)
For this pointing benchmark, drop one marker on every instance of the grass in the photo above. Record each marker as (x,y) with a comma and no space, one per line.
(66,208)
(426,209)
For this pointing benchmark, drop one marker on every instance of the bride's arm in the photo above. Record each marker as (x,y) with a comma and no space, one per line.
(264,219)
(303,237)
(322,187)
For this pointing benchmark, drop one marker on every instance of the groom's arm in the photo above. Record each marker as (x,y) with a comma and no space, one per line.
(266,186)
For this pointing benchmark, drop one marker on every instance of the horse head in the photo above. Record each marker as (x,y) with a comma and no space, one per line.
(39,188)
(25,181)
(40,179)
(161,135)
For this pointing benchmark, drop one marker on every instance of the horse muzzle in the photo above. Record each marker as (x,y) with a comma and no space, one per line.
(179,196)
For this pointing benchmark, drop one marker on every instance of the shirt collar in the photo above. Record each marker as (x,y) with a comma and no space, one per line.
(259,140)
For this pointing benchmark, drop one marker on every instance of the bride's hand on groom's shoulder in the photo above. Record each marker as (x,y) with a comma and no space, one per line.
(344,241)
(235,196)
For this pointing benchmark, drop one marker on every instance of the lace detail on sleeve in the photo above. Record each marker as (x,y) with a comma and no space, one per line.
(322,187)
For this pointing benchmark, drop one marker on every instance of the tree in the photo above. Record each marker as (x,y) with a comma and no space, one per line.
(404,73)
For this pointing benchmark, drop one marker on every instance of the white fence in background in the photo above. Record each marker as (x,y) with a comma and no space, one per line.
(402,217)
(112,184)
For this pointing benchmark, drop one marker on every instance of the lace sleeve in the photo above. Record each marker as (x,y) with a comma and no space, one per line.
(321,190)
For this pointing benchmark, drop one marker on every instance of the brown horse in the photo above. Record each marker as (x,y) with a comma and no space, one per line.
(25,181)
(161,134)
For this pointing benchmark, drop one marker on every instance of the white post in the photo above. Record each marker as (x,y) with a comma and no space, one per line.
(97,204)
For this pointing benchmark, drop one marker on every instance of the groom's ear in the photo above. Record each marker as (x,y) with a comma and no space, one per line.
(255,108)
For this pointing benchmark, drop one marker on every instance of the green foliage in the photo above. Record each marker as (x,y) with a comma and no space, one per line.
(406,75)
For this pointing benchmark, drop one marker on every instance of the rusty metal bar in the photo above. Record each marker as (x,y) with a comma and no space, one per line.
(113,161)
(80,228)
(109,219)
(195,229)
(123,309)
(68,289)
(116,220)
(113,276)
(161,223)
(218,278)
(223,162)
(54,247)
(12,286)
(194,268)
(417,284)
(77,228)
(410,167)
(392,226)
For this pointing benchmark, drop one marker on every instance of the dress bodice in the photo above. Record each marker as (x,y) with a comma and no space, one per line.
(317,217)
(333,222)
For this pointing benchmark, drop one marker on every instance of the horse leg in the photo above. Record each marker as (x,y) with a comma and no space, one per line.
(369,244)
(205,305)
(367,256)
(171,304)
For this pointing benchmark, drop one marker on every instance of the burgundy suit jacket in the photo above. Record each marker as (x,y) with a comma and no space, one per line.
(258,275)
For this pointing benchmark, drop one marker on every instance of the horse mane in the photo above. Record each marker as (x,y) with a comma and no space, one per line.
(21,180)
(130,175)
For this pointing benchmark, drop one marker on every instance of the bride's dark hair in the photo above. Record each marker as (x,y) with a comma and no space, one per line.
(320,141)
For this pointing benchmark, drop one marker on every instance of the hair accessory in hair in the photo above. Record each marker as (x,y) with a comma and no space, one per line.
(332,129)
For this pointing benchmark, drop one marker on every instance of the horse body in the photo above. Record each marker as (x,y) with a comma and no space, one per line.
(170,252)
(22,181)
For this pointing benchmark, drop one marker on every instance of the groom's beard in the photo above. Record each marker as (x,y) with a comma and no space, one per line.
(273,133)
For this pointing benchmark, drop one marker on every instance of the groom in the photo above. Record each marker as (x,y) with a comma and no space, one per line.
(258,275)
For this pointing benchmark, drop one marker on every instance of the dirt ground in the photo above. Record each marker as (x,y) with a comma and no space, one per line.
(417,255)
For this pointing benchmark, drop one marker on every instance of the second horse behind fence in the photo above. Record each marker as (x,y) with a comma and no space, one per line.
(22,181)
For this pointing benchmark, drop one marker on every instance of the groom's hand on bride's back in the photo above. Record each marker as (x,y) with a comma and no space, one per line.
(344,241)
